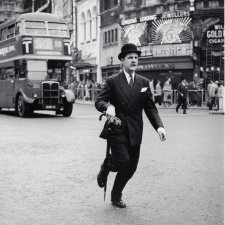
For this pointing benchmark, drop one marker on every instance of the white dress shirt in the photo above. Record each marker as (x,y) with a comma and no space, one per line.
(128,77)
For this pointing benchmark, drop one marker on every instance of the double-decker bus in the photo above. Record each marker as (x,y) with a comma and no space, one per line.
(34,54)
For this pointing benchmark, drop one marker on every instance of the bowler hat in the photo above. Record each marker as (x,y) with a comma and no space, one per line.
(128,48)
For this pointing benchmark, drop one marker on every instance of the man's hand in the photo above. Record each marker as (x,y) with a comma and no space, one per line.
(162,133)
(110,111)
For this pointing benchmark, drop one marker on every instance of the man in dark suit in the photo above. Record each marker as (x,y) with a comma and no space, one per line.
(125,95)
(182,92)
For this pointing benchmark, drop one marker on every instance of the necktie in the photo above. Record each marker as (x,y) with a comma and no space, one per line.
(131,82)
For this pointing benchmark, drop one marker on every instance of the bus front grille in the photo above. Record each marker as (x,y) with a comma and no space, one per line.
(50,95)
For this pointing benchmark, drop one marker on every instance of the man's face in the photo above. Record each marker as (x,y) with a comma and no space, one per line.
(130,62)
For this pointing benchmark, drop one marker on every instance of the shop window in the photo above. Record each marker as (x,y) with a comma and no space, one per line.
(109,39)
(159,9)
(165,8)
(116,35)
(199,5)
(107,5)
(111,36)
(213,4)
(105,33)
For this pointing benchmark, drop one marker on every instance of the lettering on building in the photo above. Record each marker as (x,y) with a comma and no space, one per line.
(215,35)
(166,66)
(172,50)
(4,51)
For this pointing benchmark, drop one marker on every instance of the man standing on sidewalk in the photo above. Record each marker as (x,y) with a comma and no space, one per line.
(125,95)
(182,92)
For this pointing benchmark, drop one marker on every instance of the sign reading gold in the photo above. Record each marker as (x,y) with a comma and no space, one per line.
(215,35)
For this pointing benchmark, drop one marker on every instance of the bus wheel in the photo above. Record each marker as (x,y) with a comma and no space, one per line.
(68,108)
(22,108)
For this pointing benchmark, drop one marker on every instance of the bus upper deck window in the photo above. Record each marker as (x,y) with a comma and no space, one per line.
(4,33)
(35,27)
(58,29)
(11,31)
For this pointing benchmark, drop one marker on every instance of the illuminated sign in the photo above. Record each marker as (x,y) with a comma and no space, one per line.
(170,28)
(167,31)
(172,50)
(4,51)
(133,33)
(215,35)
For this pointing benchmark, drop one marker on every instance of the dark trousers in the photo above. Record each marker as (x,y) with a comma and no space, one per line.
(125,158)
(212,103)
(158,99)
(183,102)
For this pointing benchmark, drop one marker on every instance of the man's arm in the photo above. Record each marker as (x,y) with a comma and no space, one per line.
(153,116)
(102,102)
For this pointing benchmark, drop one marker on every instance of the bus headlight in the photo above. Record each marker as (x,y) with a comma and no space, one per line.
(35,94)
(63,94)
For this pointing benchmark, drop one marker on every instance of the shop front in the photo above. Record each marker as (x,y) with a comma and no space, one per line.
(211,57)
(109,70)
(84,72)
(166,67)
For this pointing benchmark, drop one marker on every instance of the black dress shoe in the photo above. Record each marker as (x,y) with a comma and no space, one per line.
(103,174)
(176,110)
(119,204)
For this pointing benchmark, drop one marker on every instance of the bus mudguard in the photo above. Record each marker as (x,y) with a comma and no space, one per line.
(26,98)
(70,96)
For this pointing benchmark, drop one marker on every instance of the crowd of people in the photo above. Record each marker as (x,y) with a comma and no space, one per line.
(165,94)
(215,95)
(87,91)
(162,93)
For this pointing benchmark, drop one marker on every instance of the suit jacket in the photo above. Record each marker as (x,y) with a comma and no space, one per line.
(182,89)
(129,105)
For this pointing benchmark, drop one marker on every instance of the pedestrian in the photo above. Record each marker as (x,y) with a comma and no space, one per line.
(182,92)
(158,93)
(125,95)
(167,92)
(213,94)
(220,96)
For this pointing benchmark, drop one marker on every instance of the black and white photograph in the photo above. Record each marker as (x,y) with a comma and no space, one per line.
(112,112)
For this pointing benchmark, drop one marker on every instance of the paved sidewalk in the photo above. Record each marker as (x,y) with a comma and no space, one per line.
(160,107)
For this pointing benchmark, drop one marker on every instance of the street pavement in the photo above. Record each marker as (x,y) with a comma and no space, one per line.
(48,168)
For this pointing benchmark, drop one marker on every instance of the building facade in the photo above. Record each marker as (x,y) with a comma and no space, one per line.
(87,64)
(10,9)
(35,5)
(177,38)
(208,39)
(110,37)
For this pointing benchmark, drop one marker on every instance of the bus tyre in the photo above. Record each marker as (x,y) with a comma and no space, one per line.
(23,110)
(68,108)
